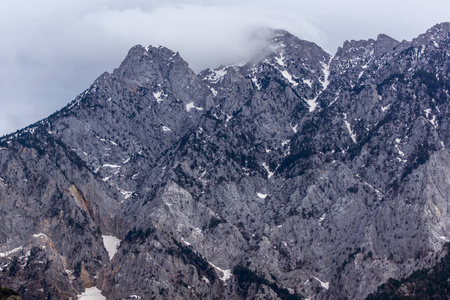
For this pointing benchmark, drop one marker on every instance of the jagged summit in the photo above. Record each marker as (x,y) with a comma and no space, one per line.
(436,35)
(150,66)
(384,44)
(295,175)
(301,65)
(282,43)
(287,40)
(440,31)
(370,47)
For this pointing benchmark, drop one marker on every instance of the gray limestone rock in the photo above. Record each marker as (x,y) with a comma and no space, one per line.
(295,175)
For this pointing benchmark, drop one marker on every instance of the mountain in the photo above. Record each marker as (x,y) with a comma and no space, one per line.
(426,283)
(295,175)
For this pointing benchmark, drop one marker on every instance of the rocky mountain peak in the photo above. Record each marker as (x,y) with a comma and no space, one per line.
(356,58)
(440,31)
(384,44)
(284,42)
(279,36)
(150,66)
(291,176)
(435,36)
(366,48)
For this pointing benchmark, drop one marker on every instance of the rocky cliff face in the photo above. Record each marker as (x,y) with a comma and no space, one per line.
(295,175)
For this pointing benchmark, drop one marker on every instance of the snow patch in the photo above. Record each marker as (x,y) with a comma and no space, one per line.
(216,75)
(325,285)
(205,279)
(312,104)
(69,271)
(7,253)
(349,128)
(198,231)
(213,91)
(360,74)
(226,273)
(433,121)
(270,174)
(294,128)
(92,293)
(111,243)
(335,99)
(191,105)
(255,82)
(326,73)
(187,243)
(385,108)
(322,217)
(39,235)
(110,166)
(379,194)
(399,151)
(103,140)
(126,194)
(308,82)
(262,196)
(280,60)
(159,96)
(289,77)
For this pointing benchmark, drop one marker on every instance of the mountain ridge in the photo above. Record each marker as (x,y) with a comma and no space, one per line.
(319,175)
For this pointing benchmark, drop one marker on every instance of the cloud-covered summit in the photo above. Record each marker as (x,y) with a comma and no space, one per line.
(52,50)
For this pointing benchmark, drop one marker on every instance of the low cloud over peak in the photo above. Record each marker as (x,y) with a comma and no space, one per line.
(53,50)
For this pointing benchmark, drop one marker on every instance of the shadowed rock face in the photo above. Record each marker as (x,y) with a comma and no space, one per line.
(298,174)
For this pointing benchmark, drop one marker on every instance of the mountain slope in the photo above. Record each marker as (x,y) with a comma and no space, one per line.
(297,174)
(427,283)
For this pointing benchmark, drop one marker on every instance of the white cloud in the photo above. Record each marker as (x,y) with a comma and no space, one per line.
(52,50)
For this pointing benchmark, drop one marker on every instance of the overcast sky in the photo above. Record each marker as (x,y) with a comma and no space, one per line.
(52,50)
